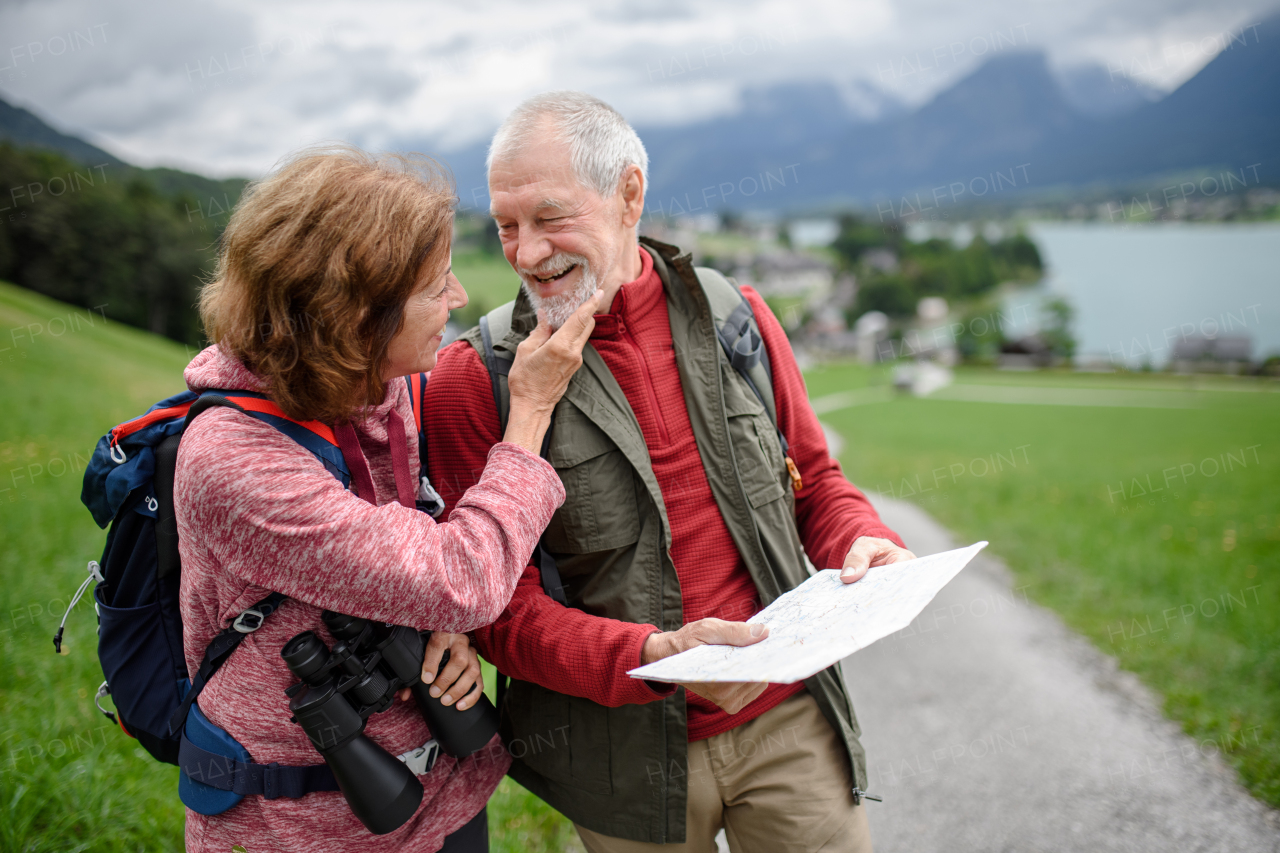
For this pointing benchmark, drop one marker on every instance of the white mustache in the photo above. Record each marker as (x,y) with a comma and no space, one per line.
(553,265)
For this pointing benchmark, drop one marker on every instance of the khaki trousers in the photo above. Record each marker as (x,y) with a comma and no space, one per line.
(780,782)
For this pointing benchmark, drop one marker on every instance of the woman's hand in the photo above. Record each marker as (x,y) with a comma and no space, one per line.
(462,673)
(545,362)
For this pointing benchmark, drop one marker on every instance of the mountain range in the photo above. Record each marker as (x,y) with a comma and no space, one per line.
(1009,127)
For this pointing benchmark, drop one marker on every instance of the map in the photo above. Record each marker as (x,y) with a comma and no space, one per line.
(820,622)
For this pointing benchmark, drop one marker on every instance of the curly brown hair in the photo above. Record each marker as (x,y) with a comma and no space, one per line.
(315,268)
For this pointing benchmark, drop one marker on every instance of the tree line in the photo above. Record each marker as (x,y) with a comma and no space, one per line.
(895,273)
(135,242)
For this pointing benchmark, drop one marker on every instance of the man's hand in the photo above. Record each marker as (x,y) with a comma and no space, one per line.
(732,697)
(462,672)
(868,551)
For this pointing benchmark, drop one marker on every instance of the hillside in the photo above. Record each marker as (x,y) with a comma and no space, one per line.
(69,774)
(25,129)
(1224,116)
(132,244)
(1010,112)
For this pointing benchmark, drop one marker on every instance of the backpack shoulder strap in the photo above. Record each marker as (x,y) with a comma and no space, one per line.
(740,338)
(428,499)
(495,326)
(417,384)
(219,652)
(739,334)
(315,437)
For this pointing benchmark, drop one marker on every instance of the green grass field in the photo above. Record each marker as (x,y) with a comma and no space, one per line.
(69,781)
(489,282)
(1154,531)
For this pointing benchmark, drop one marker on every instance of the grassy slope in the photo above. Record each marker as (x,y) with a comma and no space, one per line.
(68,780)
(67,775)
(1181,585)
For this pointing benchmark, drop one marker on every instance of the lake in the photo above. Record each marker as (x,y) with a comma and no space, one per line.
(1137,289)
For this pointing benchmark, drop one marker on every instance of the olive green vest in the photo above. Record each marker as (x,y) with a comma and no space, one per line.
(623,771)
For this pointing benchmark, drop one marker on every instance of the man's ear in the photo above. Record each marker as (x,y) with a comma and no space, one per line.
(631,194)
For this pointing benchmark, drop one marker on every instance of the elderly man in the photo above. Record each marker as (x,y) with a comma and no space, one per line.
(691,487)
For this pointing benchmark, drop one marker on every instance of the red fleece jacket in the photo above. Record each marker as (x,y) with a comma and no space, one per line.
(575,653)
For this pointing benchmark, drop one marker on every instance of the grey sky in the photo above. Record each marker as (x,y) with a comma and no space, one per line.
(227,88)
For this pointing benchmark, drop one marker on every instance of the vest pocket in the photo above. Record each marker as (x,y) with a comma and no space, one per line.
(600,510)
(758,456)
(755,442)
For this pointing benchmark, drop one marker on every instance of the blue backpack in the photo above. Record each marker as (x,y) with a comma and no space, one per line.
(129,486)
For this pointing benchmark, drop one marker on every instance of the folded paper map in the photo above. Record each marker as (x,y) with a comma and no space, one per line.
(820,622)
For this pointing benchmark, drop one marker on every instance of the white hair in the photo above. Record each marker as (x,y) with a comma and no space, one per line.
(601,143)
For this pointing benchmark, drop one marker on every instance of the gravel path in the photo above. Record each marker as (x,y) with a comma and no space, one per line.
(991,727)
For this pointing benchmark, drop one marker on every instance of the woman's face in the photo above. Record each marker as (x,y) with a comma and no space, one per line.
(413,349)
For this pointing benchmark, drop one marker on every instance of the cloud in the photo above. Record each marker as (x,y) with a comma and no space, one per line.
(228,88)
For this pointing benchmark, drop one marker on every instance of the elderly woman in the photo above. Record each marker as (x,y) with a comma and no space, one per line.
(334,278)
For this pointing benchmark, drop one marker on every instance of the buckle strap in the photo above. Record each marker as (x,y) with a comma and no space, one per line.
(219,651)
(745,349)
(270,781)
(740,342)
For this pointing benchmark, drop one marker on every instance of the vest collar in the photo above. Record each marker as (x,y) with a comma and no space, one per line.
(596,392)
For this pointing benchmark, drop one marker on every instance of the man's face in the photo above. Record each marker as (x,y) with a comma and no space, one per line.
(561,237)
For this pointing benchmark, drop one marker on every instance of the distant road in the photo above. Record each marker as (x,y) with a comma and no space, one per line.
(991,727)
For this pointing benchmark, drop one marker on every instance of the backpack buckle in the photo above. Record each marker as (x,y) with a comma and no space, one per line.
(103,692)
(421,759)
(249,621)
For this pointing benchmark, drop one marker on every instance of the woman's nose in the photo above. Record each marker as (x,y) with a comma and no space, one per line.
(457,295)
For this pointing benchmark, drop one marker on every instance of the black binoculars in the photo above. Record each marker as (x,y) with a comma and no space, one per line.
(340,689)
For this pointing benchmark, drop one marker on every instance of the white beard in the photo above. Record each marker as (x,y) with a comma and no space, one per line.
(558,309)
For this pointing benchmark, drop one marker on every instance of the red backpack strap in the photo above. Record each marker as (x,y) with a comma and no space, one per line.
(417,383)
(429,501)
(314,436)
(264,406)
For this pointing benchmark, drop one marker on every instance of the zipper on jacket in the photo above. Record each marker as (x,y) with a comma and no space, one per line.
(626,335)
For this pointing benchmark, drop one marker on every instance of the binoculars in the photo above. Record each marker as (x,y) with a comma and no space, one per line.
(339,690)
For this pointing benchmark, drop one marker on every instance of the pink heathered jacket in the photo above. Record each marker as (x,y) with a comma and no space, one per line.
(257,513)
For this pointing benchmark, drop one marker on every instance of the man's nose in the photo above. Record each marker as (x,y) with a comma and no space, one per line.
(532,251)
